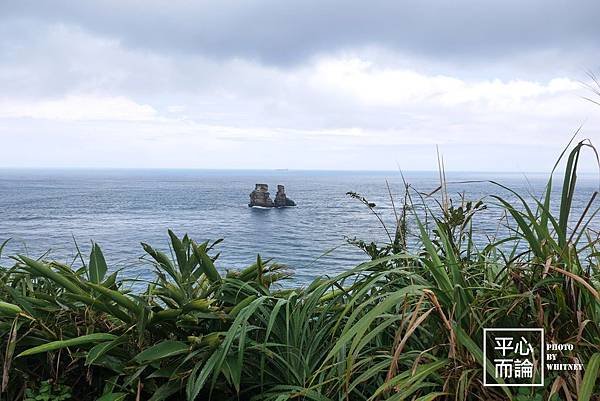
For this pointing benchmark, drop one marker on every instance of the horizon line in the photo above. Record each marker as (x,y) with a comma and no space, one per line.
(94,168)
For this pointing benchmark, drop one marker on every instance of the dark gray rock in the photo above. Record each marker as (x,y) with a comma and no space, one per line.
(260,196)
(281,200)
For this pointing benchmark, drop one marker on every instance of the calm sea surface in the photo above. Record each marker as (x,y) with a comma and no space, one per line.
(44,210)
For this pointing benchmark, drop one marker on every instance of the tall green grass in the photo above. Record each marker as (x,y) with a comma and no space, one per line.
(406,325)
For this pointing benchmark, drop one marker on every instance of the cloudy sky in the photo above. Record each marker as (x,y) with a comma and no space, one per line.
(498,85)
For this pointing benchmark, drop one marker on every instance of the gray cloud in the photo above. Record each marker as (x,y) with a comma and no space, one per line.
(289,32)
(152,84)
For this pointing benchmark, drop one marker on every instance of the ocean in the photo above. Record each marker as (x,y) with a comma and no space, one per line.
(45,211)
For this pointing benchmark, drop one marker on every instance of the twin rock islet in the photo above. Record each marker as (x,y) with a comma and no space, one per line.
(260,197)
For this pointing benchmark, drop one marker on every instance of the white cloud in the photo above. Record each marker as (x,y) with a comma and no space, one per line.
(78,108)
(384,86)
(69,90)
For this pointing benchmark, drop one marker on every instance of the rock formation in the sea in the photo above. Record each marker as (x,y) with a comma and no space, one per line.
(281,200)
(261,197)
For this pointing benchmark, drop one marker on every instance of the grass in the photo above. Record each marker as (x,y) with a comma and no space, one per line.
(407,325)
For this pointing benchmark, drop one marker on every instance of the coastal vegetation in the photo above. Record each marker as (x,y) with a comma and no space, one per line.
(406,325)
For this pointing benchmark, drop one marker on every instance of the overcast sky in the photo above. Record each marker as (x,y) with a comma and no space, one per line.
(498,85)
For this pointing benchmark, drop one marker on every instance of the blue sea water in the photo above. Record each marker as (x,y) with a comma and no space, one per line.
(44,210)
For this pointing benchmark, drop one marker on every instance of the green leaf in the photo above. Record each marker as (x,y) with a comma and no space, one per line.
(116,296)
(82,340)
(162,350)
(359,328)
(8,355)
(163,261)
(97,266)
(113,397)
(589,378)
(43,269)
(431,396)
(3,245)
(435,264)
(165,391)
(180,254)
(9,309)
(99,350)
(206,264)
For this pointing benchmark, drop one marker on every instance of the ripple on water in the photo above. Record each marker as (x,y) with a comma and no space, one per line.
(44,210)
